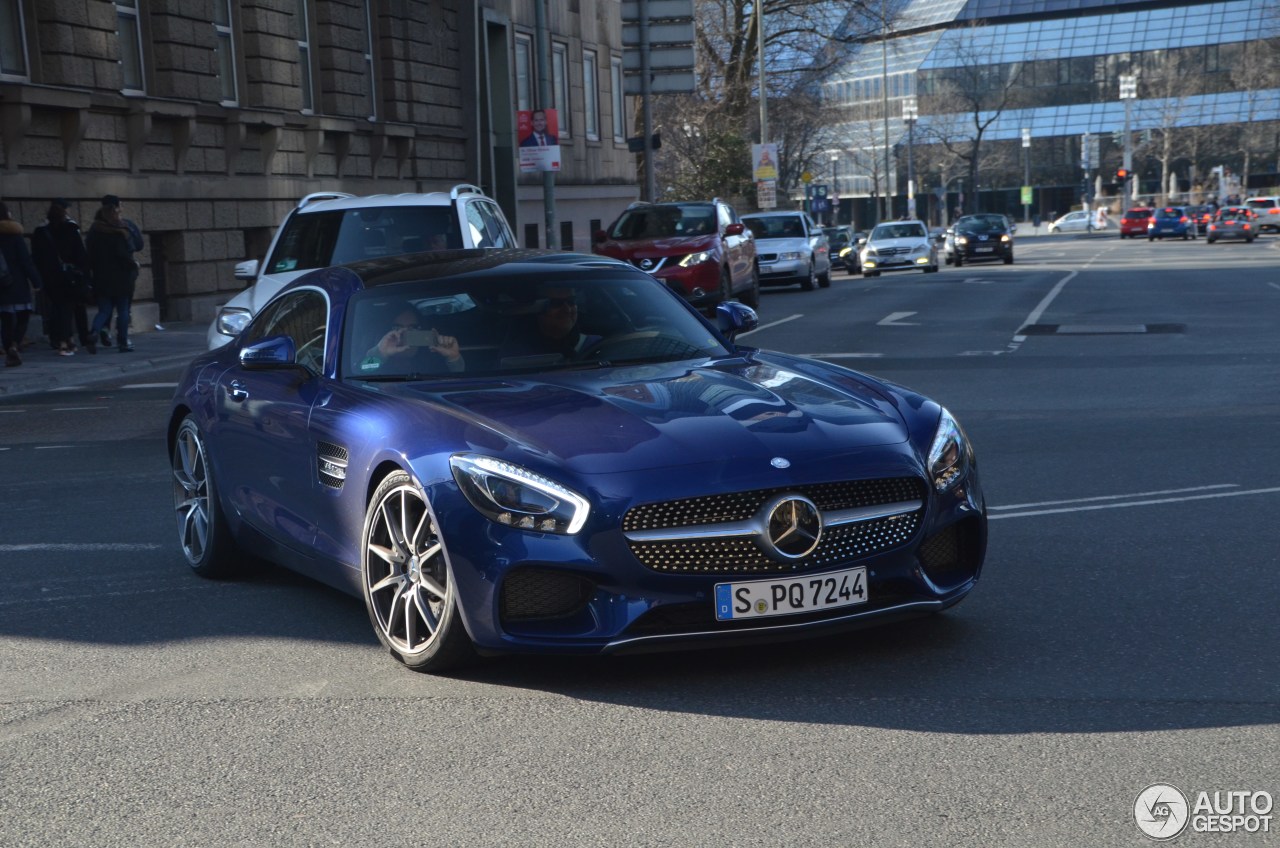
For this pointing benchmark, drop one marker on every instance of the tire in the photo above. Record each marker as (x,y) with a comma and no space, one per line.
(1151,238)
(1209,240)
(1008,260)
(871,273)
(824,280)
(408,588)
(752,296)
(810,281)
(1248,241)
(931,269)
(203,532)
(959,260)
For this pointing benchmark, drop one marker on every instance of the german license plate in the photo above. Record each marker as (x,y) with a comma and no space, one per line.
(984,249)
(791,595)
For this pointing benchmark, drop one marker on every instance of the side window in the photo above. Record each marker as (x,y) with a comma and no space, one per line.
(302,316)
(486,225)
(724,217)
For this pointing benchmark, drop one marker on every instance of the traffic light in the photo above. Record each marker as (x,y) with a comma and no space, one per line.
(1122,175)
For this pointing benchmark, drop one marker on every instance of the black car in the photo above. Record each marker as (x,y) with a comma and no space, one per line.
(844,247)
(983,236)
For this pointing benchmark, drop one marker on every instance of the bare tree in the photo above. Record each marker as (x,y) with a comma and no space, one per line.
(966,99)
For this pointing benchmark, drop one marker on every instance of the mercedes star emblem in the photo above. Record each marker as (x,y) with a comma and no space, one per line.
(793,527)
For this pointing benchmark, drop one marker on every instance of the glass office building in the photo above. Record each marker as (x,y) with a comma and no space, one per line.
(1057,65)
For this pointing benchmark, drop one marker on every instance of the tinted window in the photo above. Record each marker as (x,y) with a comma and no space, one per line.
(663,222)
(1261,204)
(320,239)
(777,226)
(895,231)
(487,227)
(302,316)
(982,224)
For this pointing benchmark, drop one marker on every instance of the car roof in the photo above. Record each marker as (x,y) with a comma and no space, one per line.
(781,214)
(484,261)
(328,201)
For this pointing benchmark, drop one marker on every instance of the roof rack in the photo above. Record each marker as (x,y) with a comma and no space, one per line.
(323,195)
(466,188)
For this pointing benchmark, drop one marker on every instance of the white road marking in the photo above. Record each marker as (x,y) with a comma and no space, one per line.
(5,411)
(843,355)
(68,388)
(78,408)
(1136,503)
(79,546)
(1034,317)
(150,386)
(1274,285)
(1121,497)
(894,319)
(55,447)
(771,324)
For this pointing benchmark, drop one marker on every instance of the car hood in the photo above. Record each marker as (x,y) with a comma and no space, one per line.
(657,416)
(256,296)
(656,248)
(880,244)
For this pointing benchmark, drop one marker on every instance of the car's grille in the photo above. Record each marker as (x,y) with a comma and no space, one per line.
(768,257)
(892,251)
(730,555)
(331,464)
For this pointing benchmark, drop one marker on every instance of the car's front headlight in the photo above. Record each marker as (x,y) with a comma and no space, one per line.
(695,258)
(790,255)
(232,319)
(515,496)
(1004,238)
(961,240)
(950,456)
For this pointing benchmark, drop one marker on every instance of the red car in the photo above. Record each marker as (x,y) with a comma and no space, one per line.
(700,249)
(1133,223)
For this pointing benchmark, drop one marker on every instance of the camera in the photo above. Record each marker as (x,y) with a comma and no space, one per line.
(420,338)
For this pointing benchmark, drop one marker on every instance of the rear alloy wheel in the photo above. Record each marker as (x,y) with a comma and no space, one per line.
(810,281)
(408,589)
(203,531)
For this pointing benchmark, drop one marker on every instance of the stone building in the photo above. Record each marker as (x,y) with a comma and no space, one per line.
(211,118)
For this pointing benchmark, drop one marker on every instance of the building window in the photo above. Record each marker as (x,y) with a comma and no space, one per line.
(619,101)
(304,59)
(560,85)
(226,52)
(130,34)
(370,69)
(590,97)
(524,73)
(13,42)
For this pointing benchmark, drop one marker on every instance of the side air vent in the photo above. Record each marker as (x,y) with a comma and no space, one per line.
(331,462)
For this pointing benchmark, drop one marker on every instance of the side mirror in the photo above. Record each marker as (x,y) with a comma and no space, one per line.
(247,270)
(269,354)
(734,230)
(599,236)
(733,318)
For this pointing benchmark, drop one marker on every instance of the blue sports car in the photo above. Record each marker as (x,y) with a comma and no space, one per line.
(532,451)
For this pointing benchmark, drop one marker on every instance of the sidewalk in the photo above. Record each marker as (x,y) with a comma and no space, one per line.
(43,369)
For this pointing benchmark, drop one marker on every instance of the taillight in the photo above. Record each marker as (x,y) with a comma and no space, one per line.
(1182,220)
(1213,226)
(1246,226)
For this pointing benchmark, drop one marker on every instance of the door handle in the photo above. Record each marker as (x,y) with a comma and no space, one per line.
(237,390)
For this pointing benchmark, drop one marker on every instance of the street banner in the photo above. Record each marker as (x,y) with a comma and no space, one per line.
(766,194)
(764,162)
(539,134)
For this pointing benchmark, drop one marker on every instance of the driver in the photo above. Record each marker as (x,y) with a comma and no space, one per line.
(407,347)
(555,326)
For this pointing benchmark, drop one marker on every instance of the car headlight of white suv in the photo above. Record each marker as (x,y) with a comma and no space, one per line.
(233,319)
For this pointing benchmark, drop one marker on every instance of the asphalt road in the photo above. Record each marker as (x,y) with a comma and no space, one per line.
(1123,397)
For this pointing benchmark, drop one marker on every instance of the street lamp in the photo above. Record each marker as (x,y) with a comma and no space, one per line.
(1026,174)
(1128,93)
(910,114)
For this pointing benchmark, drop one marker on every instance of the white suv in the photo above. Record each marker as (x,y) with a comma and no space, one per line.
(332,228)
(1267,210)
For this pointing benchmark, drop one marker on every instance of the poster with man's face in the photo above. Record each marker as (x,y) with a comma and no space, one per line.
(538,131)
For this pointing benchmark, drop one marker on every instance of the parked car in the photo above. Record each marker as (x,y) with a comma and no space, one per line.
(606,471)
(1172,221)
(1133,223)
(843,242)
(333,228)
(1232,222)
(899,246)
(700,249)
(1268,211)
(791,249)
(976,237)
(1073,222)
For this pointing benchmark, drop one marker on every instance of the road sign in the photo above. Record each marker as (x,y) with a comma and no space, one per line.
(806,177)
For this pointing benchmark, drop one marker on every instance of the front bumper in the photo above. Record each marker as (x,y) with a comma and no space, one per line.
(784,272)
(905,262)
(699,284)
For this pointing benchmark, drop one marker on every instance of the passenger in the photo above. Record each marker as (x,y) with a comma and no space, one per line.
(407,348)
(555,327)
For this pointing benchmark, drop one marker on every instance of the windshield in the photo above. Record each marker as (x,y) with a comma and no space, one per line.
(897,231)
(837,237)
(776,226)
(467,326)
(981,224)
(664,222)
(320,239)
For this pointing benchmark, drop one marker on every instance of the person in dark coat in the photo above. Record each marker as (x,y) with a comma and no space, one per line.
(17,300)
(114,273)
(59,254)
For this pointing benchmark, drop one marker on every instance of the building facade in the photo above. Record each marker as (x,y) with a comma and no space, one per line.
(1207,102)
(211,118)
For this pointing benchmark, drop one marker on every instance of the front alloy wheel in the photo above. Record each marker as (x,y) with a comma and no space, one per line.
(408,590)
(203,533)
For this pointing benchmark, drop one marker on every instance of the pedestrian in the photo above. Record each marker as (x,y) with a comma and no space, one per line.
(114,273)
(18,279)
(135,245)
(1100,218)
(58,250)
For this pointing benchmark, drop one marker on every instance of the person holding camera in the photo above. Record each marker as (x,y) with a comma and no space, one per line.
(409,348)
(63,262)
